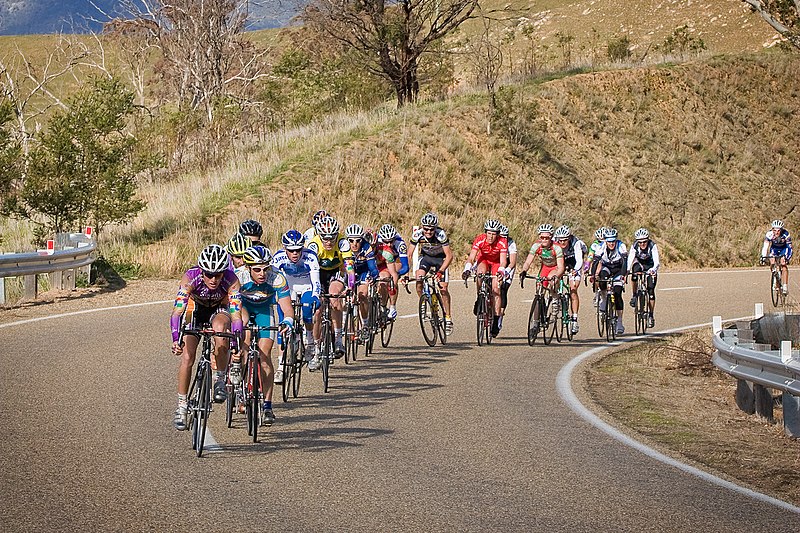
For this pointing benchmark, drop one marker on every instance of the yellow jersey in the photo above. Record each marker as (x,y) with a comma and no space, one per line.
(334,258)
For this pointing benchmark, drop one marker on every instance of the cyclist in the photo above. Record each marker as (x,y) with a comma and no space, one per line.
(392,251)
(493,251)
(643,257)
(778,248)
(551,257)
(300,267)
(208,294)
(434,254)
(335,272)
(311,232)
(510,267)
(574,252)
(252,229)
(611,265)
(365,268)
(236,248)
(595,248)
(267,290)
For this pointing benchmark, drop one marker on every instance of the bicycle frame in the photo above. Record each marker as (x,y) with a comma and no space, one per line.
(431,311)
(539,319)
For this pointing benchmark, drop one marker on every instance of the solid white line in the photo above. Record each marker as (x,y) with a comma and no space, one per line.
(30,320)
(408,316)
(564,386)
(679,288)
(211,444)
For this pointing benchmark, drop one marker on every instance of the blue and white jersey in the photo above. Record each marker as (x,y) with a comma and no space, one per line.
(304,272)
(400,252)
(364,259)
(614,259)
(777,242)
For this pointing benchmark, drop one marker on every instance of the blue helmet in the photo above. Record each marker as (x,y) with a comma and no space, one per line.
(293,240)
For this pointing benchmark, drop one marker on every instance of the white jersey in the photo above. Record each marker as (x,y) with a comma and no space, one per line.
(309,234)
(648,257)
(302,275)
(243,273)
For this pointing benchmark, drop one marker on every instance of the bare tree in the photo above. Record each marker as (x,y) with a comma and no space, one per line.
(391,35)
(485,54)
(783,15)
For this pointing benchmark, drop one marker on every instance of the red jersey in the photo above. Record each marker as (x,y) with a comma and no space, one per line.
(490,252)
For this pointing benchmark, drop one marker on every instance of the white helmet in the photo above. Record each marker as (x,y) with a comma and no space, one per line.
(504,230)
(387,233)
(545,228)
(777,223)
(328,227)
(429,219)
(354,231)
(610,234)
(563,232)
(492,225)
(600,234)
(641,234)
(213,259)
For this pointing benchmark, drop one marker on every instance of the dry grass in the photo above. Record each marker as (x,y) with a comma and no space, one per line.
(670,392)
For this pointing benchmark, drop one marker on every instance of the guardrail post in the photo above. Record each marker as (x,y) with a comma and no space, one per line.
(745,399)
(716,325)
(31,284)
(2,291)
(791,415)
(764,402)
(759,311)
(786,352)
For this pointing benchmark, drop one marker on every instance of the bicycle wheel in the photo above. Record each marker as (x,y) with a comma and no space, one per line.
(611,320)
(640,310)
(289,357)
(387,326)
(230,402)
(489,322)
(426,322)
(568,313)
(775,287)
(480,320)
(256,400)
(298,369)
(533,320)
(438,313)
(552,319)
(204,409)
(601,321)
(327,355)
(558,318)
(372,325)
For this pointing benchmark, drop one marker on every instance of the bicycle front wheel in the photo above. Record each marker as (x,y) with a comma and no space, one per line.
(327,355)
(372,325)
(254,401)
(438,314)
(387,326)
(641,312)
(551,320)
(204,408)
(480,319)
(611,320)
(533,320)
(426,321)
(568,313)
(601,321)
(289,355)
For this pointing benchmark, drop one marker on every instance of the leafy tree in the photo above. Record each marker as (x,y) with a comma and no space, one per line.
(82,171)
(783,15)
(390,35)
(681,42)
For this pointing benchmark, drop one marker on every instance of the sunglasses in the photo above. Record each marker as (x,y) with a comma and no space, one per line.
(562,240)
(212,275)
(328,238)
(428,228)
(258,270)
(355,240)
(294,250)
(548,237)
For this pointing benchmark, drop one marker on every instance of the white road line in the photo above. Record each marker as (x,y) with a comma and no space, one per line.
(211,445)
(564,386)
(679,288)
(30,320)
(408,316)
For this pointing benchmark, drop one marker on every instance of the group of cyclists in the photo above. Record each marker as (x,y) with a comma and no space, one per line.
(244,282)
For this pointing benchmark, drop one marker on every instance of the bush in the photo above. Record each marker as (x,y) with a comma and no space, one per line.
(618,49)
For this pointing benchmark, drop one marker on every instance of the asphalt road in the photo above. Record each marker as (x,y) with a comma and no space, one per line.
(454,438)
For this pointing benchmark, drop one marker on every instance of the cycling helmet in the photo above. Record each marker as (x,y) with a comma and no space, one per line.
(318,216)
(213,259)
(387,233)
(545,228)
(641,234)
(238,244)
(257,255)
(610,234)
(251,227)
(293,240)
(492,225)
(600,234)
(563,232)
(429,219)
(503,230)
(354,231)
(777,224)
(328,227)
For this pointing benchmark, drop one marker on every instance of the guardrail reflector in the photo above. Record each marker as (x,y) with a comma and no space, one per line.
(716,325)
(759,310)
(786,351)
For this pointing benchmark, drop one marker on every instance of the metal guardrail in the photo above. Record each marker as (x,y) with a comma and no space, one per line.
(35,263)
(747,352)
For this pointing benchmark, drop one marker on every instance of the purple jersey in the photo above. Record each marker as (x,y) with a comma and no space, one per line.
(205,296)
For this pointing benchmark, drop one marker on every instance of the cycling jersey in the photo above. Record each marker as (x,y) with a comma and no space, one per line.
(393,252)
(777,243)
(549,256)
(303,274)
(243,273)
(205,302)
(260,299)
(613,262)
(490,253)
(433,246)
(309,235)
(647,258)
(364,261)
(202,294)
(574,251)
(340,255)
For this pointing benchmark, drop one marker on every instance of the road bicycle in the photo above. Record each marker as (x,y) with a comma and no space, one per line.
(379,314)
(199,397)
(431,312)
(610,316)
(484,316)
(641,301)
(352,327)
(327,338)
(294,356)
(541,319)
(564,310)
(776,286)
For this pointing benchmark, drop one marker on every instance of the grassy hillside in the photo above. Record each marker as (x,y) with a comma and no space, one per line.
(703,154)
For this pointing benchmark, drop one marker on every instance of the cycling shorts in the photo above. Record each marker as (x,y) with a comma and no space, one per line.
(198,315)
(546,271)
(326,276)
(262,319)
(778,252)
(428,263)
(490,266)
